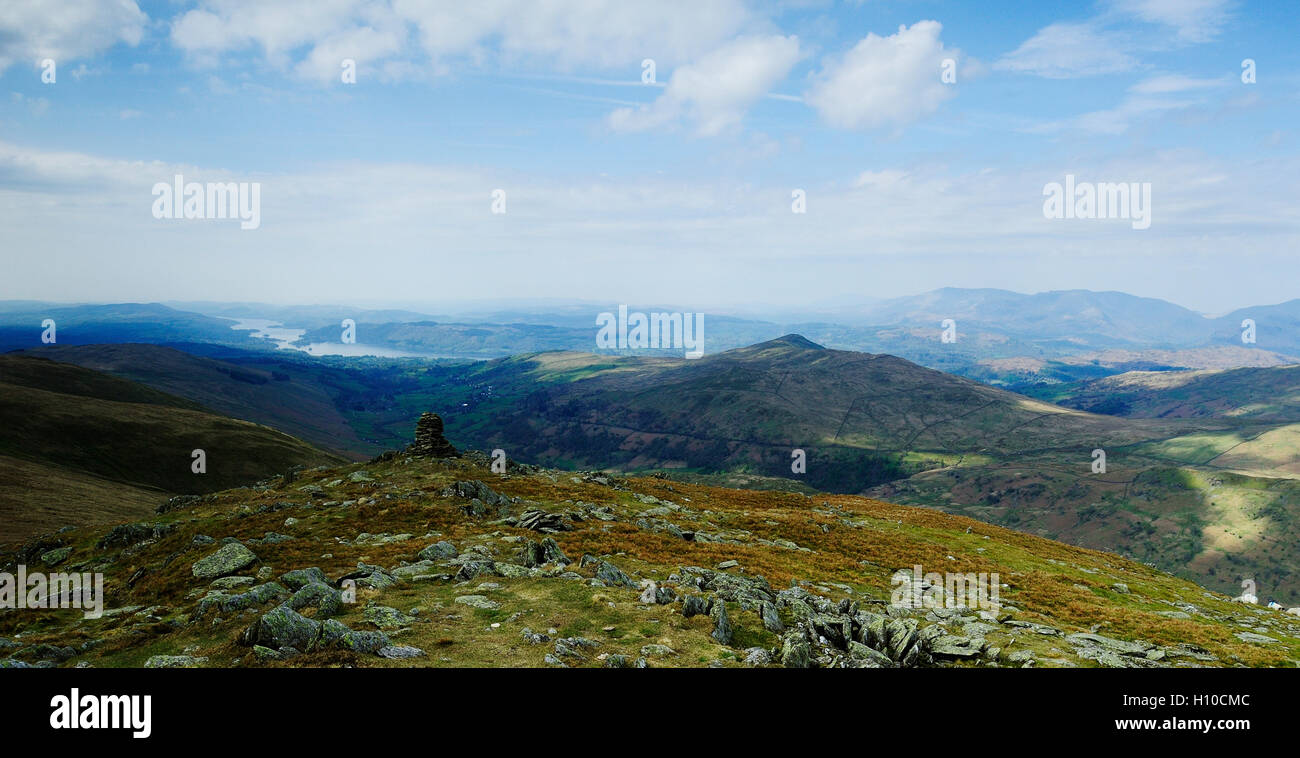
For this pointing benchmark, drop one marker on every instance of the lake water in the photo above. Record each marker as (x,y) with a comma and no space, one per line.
(284,338)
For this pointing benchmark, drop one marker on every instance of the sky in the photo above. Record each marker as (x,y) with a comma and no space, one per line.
(647,152)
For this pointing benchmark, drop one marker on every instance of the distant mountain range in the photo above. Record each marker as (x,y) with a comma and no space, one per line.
(1003,338)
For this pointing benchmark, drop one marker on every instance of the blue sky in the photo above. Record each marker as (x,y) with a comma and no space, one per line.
(677,192)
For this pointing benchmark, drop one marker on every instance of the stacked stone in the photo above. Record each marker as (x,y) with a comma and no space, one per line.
(429,441)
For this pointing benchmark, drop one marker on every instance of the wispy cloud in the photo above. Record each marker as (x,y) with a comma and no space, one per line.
(715,92)
(884,81)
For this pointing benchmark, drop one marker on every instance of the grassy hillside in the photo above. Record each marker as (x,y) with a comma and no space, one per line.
(864,418)
(1266,394)
(1196,496)
(800,581)
(288,395)
(1199,496)
(93,433)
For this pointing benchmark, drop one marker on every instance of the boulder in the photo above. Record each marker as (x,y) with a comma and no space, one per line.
(174,662)
(722,630)
(694,605)
(613,575)
(325,599)
(399,651)
(283,627)
(438,551)
(229,559)
(299,578)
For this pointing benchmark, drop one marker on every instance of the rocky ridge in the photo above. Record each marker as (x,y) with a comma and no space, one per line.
(409,560)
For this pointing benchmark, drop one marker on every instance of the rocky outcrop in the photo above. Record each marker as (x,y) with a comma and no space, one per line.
(429,442)
(230,558)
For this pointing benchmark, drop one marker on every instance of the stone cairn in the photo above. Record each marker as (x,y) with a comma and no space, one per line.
(429,441)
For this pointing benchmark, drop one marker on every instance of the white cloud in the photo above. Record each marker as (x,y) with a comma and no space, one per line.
(66,29)
(716,91)
(1106,45)
(1067,50)
(313,36)
(1192,20)
(1148,98)
(339,231)
(884,81)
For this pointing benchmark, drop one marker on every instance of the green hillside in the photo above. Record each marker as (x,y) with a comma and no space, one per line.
(113,442)
(547,568)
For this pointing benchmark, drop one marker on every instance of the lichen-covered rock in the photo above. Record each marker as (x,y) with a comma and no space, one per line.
(386,618)
(694,605)
(478,601)
(796,652)
(363,642)
(174,662)
(126,535)
(325,599)
(223,603)
(373,577)
(613,575)
(438,551)
(411,571)
(299,578)
(283,627)
(866,657)
(56,556)
(722,630)
(331,631)
(399,651)
(771,618)
(230,558)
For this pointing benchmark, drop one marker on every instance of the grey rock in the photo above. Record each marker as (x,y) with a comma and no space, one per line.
(174,662)
(612,575)
(325,599)
(229,559)
(694,605)
(479,601)
(400,651)
(363,642)
(438,551)
(722,631)
(283,627)
(386,618)
(796,652)
(299,578)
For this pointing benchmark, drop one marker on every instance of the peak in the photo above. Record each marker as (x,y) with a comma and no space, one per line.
(793,340)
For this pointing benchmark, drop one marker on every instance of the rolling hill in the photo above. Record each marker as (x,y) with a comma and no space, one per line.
(876,424)
(78,446)
(293,396)
(1212,496)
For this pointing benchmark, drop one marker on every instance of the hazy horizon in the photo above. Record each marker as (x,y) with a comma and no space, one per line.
(749,310)
(701,154)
